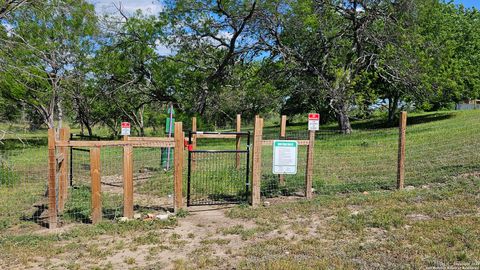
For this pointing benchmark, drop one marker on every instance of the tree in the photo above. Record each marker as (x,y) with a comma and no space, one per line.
(39,53)
(129,73)
(332,43)
(209,38)
(8,6)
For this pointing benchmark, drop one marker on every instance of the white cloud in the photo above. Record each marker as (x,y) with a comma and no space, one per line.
(162,50)
(148,7)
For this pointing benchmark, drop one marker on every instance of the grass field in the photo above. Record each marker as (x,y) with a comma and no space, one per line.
(357,220)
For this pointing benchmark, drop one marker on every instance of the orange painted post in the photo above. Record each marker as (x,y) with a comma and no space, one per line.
(401,151)
(52,171)
(128,181)
(257,161)
(96,185)
(283,134)
(178,163)
(309,169)
(238,142)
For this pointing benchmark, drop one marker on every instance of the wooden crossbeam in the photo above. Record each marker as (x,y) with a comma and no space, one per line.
(116,143)
(300,142)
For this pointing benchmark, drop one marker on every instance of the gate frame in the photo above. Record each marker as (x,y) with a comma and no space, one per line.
(259,142)
(193,135)
(57,168)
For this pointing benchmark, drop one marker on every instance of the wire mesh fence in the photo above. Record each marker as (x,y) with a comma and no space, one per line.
(362,160)
(215,177)
(153,184)
(23,186)
(438,149)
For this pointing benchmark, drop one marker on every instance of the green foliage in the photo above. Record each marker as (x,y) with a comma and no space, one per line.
(7,176)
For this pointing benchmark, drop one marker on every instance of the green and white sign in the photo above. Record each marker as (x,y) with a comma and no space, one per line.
(285,156)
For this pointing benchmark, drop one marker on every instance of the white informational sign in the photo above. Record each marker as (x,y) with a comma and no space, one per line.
(125,129)
(285,155)
(313,121)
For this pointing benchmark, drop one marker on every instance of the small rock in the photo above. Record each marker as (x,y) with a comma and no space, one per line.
(425,186)
(287,252)
(123,219)
(313,190)
(365,193)
(169,195)
(137,216)
(409,188)
(266,204)
(162,216)
(354,213)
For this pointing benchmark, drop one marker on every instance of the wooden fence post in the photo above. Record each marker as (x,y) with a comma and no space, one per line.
(128,181)
(401,151)
(63,184)
(178,161)
(52,173)
(194,136)
(283,134)
(96,185)
(309,168)
(257,161)
(238,140)
(194,141)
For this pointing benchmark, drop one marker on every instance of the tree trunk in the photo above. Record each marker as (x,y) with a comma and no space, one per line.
(89,128)
(50,121)
(60,113)
(141,122)
(392,108)
(341,113)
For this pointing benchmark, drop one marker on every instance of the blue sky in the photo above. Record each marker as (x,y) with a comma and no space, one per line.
(129,6)
(469,3)
(154,6)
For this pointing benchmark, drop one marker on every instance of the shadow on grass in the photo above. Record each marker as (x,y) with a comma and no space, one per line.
(412,120)
(378,123)
(36,217)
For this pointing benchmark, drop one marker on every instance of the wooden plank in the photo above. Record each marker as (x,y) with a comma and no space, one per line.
(238,141)
(283,127)
(401,151)
(52,171)
(178,166)
(257,161)
(60,157)
(128,181)
(194,143)
(150,139)
(91,144)
(194,136)
(63,184)
(283,134)
(309,168)
(216,136)
(300,142)
(96,185)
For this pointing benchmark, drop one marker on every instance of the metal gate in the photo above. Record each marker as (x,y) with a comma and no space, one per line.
(218,176)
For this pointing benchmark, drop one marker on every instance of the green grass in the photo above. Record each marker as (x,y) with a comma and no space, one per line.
(410,229)
(433,224)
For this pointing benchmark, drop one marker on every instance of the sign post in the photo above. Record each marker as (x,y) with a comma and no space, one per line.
(125,129)
(313,121)
(285,157)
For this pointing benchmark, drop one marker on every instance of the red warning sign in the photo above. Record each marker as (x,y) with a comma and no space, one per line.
(313,116)
(125,129)
(313,121)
